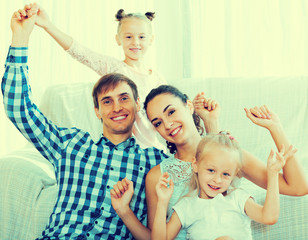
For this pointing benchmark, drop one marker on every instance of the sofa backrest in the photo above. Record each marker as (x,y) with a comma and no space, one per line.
(71,105)
(288,97)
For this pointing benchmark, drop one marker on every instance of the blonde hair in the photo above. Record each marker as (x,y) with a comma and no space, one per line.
(223,140)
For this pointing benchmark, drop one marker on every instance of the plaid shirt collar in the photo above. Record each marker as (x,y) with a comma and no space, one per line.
(130,142)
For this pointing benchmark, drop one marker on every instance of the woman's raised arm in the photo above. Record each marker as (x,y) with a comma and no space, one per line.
(292,181)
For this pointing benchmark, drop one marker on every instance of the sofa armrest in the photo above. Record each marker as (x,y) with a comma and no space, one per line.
(28,192)
(292,222)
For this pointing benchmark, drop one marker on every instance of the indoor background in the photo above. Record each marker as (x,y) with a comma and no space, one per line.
(193,39)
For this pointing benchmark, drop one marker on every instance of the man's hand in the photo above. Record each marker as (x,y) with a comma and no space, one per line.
(22,24)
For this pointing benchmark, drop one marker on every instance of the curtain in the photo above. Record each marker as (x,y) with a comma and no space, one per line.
(193,39)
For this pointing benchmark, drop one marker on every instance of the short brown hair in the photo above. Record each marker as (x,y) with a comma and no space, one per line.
(109,82)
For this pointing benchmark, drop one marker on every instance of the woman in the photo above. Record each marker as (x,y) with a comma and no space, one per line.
(170,113)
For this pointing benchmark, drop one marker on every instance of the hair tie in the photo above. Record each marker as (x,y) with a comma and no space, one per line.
(150,15)
(227,134)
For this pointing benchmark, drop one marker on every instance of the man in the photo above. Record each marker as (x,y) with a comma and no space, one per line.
(85,170)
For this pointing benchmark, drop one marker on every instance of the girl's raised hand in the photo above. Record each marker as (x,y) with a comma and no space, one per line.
(262,116)
(121,195)
(164,192)
(42,19)
(276,162)
(206,108)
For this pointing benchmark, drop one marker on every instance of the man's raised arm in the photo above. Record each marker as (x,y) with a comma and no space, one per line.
(49,139)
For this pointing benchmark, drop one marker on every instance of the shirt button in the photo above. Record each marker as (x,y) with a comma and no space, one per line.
(96,222)
(116,148)
(108,186)
(12,58)
(88,234)
(86,156)
(141,168)
(102,208)
(111,168)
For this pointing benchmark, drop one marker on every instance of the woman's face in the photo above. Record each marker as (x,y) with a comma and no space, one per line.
(171,117)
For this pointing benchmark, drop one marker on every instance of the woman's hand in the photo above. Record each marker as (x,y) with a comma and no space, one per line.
(206,108)
(209,111)
(121,195)
(262,116)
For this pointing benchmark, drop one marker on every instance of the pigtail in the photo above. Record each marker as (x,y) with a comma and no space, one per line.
(233,144)
(150,15)
(120,15)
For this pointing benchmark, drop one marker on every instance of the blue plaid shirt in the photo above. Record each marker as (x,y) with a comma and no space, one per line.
(85,170)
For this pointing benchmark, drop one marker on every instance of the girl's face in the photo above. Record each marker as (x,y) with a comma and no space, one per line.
(216,169)
(171,118)
(135,38)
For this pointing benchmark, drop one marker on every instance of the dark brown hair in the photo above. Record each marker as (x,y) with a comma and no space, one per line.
(109,82)
(163,89)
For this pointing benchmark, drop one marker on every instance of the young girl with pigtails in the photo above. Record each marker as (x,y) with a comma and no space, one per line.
(134,35)
(213,209)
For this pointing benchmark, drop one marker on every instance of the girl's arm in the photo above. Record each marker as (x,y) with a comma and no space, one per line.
(121,195)
(174,225)
(159,230)
(162,230)
(208,110)
(99,63)
(292,181)
(269,213)
(43,21)
(152,179)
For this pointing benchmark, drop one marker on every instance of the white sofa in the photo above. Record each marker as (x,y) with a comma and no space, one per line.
(28,187)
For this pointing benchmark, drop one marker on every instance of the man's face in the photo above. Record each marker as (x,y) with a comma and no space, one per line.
(117,109)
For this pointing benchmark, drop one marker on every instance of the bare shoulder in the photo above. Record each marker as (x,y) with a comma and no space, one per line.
(153,175)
